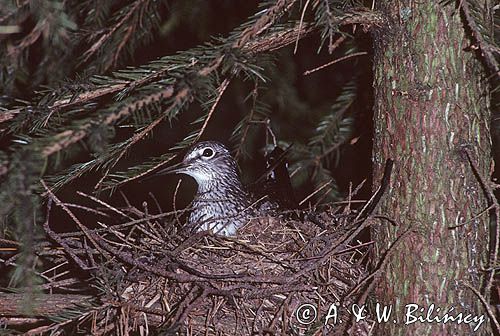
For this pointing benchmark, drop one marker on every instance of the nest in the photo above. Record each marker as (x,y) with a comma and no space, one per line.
(262,278)
(277,276)
(132,271)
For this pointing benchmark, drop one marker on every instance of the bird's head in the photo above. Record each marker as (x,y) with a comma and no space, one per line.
(206,162)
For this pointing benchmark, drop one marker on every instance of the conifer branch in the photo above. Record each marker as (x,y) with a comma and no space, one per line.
(137,92)
(274,40)
(179,99)
(479,35)
(66,138)
(272,14)
(122,32)
(44,305)
(220,92)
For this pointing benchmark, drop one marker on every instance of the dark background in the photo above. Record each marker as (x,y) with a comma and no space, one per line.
(295,102)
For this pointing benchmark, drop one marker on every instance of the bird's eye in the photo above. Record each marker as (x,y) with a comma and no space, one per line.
(208,153)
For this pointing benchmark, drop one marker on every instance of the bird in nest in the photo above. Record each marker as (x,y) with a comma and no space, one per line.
(222,204)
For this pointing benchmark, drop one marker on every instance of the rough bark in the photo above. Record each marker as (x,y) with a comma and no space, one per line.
(431,106)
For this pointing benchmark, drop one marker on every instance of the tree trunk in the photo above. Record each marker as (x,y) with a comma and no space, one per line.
(431,111)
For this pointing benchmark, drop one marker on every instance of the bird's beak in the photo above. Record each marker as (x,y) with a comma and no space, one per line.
(175,169)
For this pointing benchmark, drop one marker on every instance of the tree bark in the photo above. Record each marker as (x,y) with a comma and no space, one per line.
(431,109)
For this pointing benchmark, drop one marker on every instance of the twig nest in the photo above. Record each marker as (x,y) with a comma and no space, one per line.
(254,281)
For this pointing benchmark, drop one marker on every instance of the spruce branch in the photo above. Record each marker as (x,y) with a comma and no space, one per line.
(220,92)
(343,58)
(179,100)
(335,128)
(145,168)
(274,40)
(308,161)
(155,70)
(44,305)
(148,93)
(11,10)
(325,20)
(45,28)
(265,21)
(106,36)
(66,138)
(257,114)
(133,24)
(476,22)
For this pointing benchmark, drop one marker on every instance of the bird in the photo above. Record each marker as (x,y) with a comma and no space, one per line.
(221,203)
